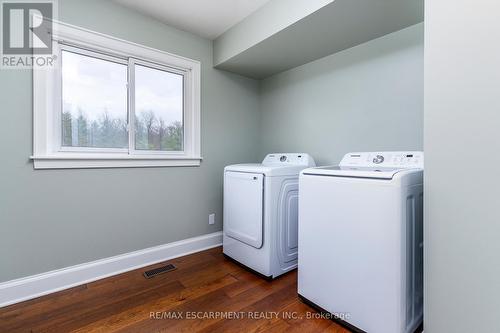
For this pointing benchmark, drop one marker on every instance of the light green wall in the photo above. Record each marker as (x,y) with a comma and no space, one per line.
(56,218)
(366,98)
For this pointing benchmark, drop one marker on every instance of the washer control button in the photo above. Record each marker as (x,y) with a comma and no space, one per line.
(378,159)
(283,158)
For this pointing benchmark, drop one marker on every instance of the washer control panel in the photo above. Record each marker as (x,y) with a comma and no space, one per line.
(289,159)
(391,159)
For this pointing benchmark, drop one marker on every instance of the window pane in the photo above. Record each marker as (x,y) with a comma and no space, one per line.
(94,110)
(158,110)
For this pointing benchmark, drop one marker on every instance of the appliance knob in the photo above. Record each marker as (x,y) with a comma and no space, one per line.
(283,158)
(378,159)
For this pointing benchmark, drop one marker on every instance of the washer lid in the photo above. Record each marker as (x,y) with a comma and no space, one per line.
(354,172)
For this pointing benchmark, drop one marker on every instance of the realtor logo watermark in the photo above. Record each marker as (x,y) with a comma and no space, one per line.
(26,33)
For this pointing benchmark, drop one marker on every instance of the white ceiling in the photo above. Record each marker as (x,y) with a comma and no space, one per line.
(206,18)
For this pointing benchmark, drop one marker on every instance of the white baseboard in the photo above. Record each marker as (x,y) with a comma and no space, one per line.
(45,283)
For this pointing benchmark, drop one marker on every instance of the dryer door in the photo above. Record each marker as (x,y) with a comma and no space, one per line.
(243,203)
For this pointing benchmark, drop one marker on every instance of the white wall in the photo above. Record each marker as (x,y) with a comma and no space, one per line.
(261,24)
(462,144)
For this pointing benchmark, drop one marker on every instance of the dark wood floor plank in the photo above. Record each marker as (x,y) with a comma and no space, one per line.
(125,281)
(71,305)
(202,282)
(216,302)
(304,325)
(124,319)
(246,279)
(276,327)
(260,315)
(89,314)
(210,273)
(16,311)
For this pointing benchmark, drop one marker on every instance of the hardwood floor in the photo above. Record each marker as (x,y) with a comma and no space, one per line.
(191,298)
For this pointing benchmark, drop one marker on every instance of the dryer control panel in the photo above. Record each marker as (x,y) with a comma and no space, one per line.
(289,159)
(388,159)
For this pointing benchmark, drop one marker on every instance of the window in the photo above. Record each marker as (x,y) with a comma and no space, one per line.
(158,109)
(111,103)
(94,101)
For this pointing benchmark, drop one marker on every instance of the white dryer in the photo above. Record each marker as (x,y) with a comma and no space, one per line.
(361,240)
(260,213)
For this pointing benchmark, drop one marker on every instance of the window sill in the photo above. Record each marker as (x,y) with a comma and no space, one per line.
(111,161)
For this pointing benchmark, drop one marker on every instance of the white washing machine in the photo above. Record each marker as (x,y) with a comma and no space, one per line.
(260,213)
(361,240)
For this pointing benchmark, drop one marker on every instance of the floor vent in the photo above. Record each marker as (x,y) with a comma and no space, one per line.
(157,271)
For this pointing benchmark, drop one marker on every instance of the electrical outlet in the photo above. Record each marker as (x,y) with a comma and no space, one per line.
(211,218)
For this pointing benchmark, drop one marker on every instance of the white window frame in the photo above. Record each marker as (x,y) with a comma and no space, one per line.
(48,153)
